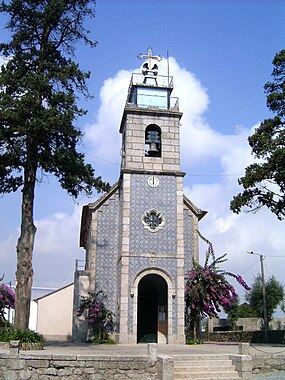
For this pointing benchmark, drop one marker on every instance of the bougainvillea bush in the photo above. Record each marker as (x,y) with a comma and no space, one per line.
(7,301)
(207,289)
(99,317)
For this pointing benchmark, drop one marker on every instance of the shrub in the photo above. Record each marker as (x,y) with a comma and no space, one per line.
(99,317)
(7,301)
(24,336)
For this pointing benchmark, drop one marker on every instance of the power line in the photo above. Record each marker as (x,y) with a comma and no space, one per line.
(102,159)
(275,256)
(214,175)
(250,266)
(189,175)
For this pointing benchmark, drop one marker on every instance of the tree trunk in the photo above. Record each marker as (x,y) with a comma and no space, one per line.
(25,246)
(195,329)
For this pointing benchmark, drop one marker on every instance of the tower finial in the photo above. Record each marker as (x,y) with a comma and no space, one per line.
(148,66)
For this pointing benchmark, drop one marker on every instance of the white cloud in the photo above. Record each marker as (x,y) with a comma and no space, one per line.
(56,245)
(2,60)
(235,234)
(55,251)
(57,248)
(104,134)
(198,141)
(193,100)
(8,256)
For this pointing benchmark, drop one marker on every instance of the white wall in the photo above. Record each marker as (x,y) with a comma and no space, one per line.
(54,317)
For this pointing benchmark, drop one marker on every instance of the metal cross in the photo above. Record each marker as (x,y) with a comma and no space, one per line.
(150,57)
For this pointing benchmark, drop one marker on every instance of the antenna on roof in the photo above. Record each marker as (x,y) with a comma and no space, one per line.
(167,57)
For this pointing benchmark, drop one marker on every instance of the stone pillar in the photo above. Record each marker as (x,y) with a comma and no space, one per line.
(165,367)
(180,265)
(80,324)
(243,365)
(14,347)
(244,349)
(124,262)
(152,352)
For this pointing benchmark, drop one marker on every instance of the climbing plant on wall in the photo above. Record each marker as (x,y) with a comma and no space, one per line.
(7,301)
(207,289)
(100,319)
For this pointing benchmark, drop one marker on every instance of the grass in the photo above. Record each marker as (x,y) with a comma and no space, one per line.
(194,341)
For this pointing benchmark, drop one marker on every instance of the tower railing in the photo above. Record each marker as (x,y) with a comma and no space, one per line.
(139,79)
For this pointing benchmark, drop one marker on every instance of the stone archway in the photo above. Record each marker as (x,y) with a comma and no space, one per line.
(171,295)
(152,305)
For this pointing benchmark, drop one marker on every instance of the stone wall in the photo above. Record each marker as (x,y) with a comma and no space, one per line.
(30,366)
(246,336)
(245,324)
(268,362)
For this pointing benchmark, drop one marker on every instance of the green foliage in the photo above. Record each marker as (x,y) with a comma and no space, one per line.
(24,336)
(194,341)
(264,181)
(99,317)
(246,311)
(274,296)
(39,85)
(233,312)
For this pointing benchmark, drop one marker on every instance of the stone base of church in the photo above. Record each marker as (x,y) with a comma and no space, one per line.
(125,339)
(132,339)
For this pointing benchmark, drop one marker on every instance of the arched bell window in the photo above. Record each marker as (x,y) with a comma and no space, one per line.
(153,141)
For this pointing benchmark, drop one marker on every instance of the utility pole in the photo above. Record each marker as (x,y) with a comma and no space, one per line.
(265,318)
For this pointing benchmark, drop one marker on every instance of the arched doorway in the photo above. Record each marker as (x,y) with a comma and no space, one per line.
(152,310)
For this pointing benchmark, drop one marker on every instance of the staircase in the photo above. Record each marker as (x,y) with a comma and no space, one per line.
(204,367)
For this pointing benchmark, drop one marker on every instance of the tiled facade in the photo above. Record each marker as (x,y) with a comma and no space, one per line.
(162,198)
(107,251)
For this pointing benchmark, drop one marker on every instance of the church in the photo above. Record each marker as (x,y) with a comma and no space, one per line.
(141,236)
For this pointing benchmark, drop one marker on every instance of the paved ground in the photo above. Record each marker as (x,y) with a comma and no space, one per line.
(141,349)
(279,375)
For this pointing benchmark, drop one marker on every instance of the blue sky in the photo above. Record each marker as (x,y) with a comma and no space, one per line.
(221,54)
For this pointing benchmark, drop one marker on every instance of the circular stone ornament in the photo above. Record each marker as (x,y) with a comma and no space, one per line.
(153,220)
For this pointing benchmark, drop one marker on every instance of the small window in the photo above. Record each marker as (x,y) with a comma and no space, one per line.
(153,141)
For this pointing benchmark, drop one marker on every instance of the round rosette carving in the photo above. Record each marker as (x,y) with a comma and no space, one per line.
(153,220)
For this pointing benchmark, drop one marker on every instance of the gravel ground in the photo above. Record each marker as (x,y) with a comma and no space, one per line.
(278,375)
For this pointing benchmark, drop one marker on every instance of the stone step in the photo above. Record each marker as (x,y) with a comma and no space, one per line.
(204,367)
(202,357)
(228,375)
(212,377)
(205,364)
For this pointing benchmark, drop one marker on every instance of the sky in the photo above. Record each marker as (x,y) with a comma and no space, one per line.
(220,56)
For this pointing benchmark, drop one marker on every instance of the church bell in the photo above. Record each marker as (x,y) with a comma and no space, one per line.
(152,148)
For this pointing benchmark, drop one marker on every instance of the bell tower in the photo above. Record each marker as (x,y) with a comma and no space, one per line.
(151,260)
(141,236)
(150,122)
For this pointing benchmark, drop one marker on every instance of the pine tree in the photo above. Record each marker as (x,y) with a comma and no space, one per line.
(39,86)
(274,296)
(264,181)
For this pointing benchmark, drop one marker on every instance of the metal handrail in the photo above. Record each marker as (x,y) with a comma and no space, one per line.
(160,80)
